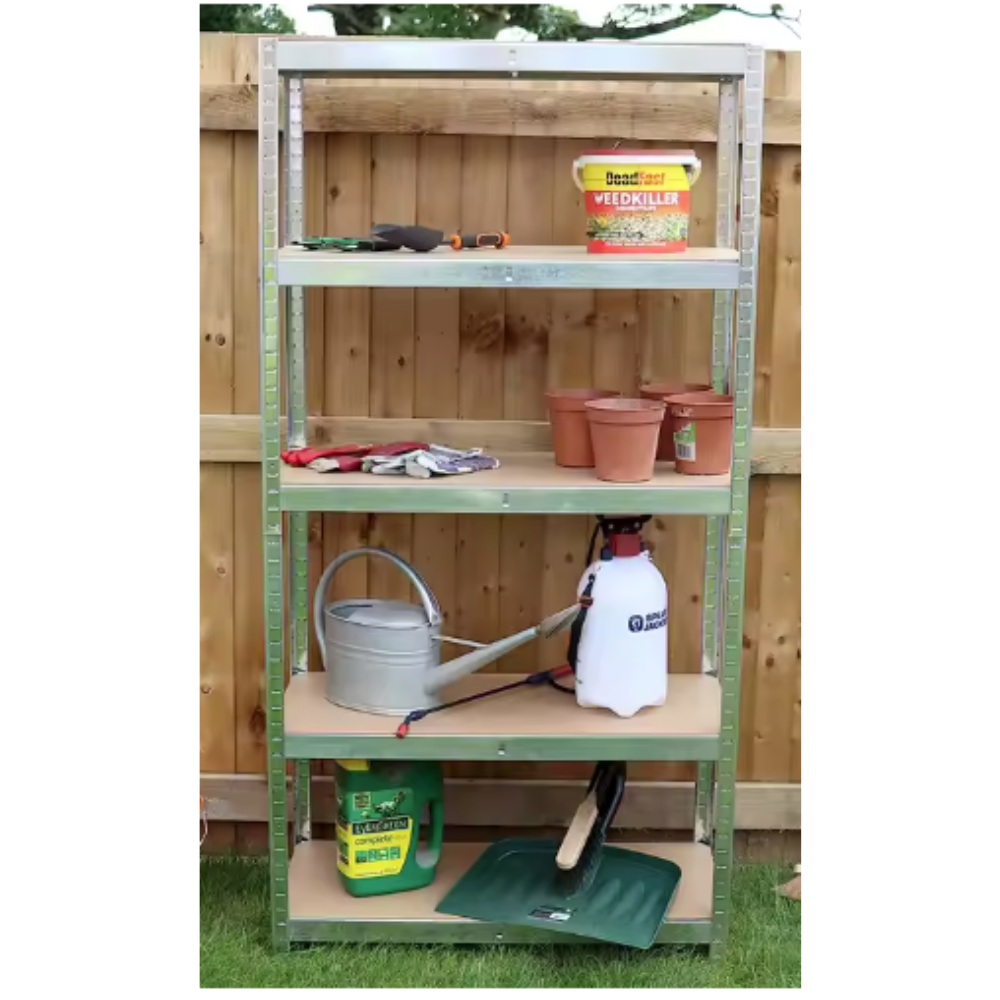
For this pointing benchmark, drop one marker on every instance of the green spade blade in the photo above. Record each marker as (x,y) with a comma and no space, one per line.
(514,882)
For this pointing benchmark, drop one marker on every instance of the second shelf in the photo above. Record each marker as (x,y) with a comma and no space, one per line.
(525,483)
(534,723)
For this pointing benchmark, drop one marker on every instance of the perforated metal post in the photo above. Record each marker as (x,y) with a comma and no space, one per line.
(270,402)
(722,331)
(736,536)
(295,338)
(727,153)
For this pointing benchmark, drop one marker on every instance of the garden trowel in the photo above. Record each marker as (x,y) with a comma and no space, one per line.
(423,239)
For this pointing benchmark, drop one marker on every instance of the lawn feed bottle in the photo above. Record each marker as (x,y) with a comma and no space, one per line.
(380,807)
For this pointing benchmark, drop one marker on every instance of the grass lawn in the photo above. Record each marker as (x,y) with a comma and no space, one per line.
(764,948)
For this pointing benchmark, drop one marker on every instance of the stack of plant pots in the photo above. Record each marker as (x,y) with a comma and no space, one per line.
(623,438)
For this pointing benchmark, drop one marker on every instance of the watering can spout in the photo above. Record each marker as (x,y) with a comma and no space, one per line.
(450,672)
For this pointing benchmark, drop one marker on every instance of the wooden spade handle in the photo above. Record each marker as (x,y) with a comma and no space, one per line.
(576,835)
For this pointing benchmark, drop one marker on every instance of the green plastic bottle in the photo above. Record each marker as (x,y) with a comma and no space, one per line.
(380,804)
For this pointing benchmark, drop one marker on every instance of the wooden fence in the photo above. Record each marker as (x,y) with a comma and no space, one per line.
(484,155)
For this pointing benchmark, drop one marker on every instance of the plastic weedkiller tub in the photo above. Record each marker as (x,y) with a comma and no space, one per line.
(638,200)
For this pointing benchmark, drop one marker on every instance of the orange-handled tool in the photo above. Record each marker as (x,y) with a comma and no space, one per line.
(473,241)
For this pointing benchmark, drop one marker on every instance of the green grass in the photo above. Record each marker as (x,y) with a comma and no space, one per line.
(764,948)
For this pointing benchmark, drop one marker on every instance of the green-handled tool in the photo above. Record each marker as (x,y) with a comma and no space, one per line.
(345,244)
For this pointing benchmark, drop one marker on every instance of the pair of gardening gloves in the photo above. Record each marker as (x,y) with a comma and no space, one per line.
(404,458)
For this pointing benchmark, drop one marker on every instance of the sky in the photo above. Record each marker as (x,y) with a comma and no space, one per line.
(723,28)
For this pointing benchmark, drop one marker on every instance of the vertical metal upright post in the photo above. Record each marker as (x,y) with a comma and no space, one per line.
(295,339)
(270,417)
(727,152)
(736,536)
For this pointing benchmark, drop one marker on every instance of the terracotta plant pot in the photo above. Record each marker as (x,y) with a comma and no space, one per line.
(568,419)
(664,390)
(624,433)
(703,432)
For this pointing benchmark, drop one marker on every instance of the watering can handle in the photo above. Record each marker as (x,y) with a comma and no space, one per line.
(426,597)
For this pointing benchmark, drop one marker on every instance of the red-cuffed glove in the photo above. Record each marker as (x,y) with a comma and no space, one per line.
(354,462)
(301,457)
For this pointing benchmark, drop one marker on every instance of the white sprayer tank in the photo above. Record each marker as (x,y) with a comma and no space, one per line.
(622,658)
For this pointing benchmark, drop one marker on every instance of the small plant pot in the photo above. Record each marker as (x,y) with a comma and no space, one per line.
(570,431)
(664,390)
(703,432)
(624,433)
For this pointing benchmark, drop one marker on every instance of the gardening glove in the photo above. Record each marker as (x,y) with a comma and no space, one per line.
(358,462)
(438,460)
(302,457)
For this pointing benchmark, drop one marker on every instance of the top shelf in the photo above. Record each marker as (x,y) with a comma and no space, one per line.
(526,60)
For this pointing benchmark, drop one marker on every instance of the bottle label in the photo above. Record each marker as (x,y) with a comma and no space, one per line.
(372,839)
(684,442)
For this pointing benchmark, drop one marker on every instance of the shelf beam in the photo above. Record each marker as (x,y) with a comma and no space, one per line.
(381,58)
(514,267)
(525,483)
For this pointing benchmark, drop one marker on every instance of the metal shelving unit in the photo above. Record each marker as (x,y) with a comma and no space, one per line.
(700,721)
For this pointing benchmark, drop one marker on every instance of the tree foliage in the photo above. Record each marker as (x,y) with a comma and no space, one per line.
(547,21)
(246,19)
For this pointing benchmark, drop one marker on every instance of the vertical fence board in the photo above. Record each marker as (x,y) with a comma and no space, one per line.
(346,345)
(481,391)
(248,583)
(217,331)
(436,389)
(394,199)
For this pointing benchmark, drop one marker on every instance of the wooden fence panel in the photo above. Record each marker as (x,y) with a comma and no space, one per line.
(486,355)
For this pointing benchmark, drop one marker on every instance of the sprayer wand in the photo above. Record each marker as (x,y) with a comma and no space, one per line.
(539,678)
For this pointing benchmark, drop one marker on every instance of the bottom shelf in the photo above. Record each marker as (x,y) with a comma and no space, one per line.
(320,909)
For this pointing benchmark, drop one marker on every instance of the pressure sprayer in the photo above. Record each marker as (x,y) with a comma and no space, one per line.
(618,643)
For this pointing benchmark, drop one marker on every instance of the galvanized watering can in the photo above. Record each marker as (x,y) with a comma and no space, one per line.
(385,656)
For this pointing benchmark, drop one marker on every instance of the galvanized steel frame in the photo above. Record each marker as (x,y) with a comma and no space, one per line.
(725,535)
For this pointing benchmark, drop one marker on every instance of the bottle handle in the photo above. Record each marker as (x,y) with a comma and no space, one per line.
(428,857)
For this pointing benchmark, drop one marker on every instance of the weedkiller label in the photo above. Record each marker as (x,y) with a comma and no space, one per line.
(634,199)
(632,207)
